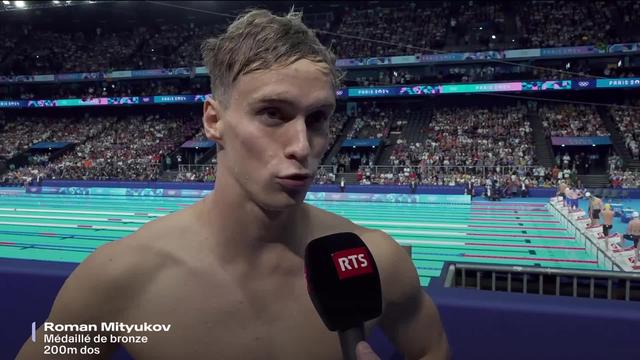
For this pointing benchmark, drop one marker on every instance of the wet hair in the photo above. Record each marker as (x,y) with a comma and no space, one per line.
(259,40)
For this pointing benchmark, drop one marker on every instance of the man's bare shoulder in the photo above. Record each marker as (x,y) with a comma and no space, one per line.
(119,267)
(321,218)
(150,240)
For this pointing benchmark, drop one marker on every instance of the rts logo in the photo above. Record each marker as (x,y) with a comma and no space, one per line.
(352,262)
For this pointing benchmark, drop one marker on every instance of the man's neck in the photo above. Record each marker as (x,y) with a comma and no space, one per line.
(243,230)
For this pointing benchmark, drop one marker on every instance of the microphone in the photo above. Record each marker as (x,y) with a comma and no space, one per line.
(344,285)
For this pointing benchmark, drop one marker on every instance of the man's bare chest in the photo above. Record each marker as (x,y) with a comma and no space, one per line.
(270,319)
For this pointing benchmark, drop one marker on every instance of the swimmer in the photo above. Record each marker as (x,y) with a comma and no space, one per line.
(571,198)
(228,272)
(607,215)
(633,233)
(561,192)
(595,206)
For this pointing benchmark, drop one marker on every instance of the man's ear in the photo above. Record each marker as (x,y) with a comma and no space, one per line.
(212,120)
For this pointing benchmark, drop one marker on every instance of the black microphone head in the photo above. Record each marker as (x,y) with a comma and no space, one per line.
(342,280)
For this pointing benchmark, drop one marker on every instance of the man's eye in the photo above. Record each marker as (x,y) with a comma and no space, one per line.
(272,113)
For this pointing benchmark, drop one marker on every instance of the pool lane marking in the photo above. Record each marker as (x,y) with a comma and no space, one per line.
(523,258)
(74,218)
(516,227)
(459,226)
(61,235)
(507,209)
(422,232)
(85,212)
(514,221)
(53,246)
(126,228)
(525,236)
(530,258)
(490,203)
(476,213)
(471,243)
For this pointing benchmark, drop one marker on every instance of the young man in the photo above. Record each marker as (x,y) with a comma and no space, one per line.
(607,216)
(595,206)
(561,192)
(633,234)
(571,198)
(227,273)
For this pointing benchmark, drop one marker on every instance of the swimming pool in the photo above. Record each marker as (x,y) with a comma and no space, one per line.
(67,228)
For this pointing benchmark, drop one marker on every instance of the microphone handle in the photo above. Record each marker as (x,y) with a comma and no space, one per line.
(349,339)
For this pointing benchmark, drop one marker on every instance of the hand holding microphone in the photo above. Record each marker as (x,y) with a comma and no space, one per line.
(364,352)
(344,285)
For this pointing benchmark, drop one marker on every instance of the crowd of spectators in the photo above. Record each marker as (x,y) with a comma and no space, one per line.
(390,28)
(374,121)
(175,45)
(624,179)
(365,30)
(336,125)
(20,133)
(350,161)
(474,136)
(150,46)
(47,52)
(478,26)
(582,162)
(628,120)
(508,181)
(567,23)
(199,174)
(405,175)
(571,120)
(324,177)
(131,147)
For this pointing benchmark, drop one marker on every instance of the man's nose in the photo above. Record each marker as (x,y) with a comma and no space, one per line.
(299,146)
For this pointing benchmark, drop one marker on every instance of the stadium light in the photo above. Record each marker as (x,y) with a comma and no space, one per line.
(6,2)
(56,2)
(19,4)
(493,37)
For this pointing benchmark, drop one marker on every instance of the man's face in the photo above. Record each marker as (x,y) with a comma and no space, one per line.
(276,130)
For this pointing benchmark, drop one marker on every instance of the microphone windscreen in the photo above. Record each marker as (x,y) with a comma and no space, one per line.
(342,280)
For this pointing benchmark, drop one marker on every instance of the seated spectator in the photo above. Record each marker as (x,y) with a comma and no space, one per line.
(628,121)
(571,120)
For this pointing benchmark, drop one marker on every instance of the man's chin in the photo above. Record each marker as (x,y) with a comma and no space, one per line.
(285,200)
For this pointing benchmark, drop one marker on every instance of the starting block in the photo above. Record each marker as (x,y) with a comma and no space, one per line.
(626,257)
(594,230)
(612,243)
(556,200)
(576,215)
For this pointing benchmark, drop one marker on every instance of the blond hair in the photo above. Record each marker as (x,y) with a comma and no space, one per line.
(259,40)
